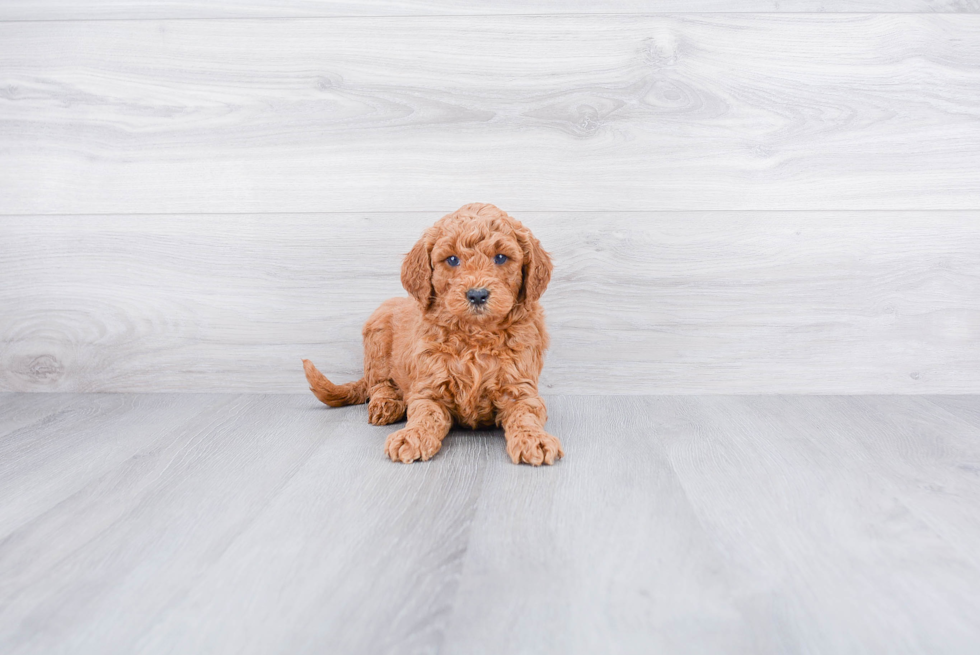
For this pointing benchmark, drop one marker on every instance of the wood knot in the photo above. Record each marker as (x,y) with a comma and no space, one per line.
(660,50)
(45,368)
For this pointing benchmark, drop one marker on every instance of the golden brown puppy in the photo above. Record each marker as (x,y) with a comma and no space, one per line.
(467,347)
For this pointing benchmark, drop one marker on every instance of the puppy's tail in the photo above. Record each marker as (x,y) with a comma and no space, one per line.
(335,395)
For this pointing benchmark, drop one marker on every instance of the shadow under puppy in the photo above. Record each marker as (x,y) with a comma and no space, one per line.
(468,346)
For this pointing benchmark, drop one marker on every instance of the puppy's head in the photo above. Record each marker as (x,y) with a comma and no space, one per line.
(476,264)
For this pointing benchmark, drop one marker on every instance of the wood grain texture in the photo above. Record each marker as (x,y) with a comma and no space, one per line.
(272,487)
(104,431)
(147,9)
(19,410)
(965,407)
(937,473)
(685,302)
(770,476)
(578,113)
(709,524)
(603,553)
(676,524)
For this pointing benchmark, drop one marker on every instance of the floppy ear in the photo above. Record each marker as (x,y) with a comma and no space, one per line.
(537,267)
(417,272)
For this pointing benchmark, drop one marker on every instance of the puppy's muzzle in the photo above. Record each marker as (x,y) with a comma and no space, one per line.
(478,297)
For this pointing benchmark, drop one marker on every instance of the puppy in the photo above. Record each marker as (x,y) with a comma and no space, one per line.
(467,347)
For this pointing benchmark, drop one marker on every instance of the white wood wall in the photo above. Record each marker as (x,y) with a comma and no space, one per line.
(195,195)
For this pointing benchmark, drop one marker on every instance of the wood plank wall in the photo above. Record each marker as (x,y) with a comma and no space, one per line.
(752,197)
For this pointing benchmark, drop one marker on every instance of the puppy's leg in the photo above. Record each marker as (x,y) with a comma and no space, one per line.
(523,422)
(386,405)
(428,425)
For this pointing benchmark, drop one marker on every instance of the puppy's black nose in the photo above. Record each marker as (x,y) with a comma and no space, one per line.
(477,296)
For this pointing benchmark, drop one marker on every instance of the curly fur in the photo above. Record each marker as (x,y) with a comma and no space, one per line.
(441,360)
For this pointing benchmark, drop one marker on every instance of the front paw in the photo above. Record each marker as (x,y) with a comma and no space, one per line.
(534,448)
(408,444)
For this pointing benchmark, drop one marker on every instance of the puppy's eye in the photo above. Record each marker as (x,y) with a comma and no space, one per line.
(452,260)
(500,259)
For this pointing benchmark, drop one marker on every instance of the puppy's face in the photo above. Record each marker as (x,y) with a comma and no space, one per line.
(476,270)
(476,264)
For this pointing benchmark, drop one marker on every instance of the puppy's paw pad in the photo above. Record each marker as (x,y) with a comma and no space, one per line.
(384,411)
(409,445)
(534,448)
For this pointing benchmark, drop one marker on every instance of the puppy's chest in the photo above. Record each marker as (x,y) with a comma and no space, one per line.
(472,382)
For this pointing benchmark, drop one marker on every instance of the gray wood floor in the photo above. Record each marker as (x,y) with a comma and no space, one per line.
(270,524)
